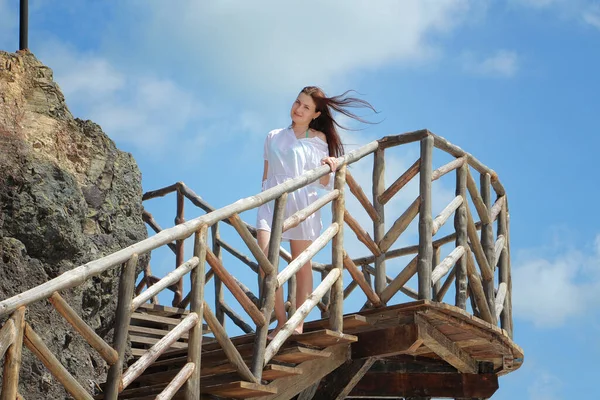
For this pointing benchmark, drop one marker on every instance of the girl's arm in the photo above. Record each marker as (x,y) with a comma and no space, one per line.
(265,169)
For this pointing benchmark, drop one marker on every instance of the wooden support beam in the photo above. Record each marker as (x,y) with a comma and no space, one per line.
(12,362)
(338,384)
(404,276)
(486,271)
(7,336)
(425,255)
(379,225)
(336,305)
(109,354)
(237,254)
(441,219)
(177,382)
(406,177)
(461,228)
(498,205)
(488,244)
(408,137)
(482,210)
(444,347)
(386,342)
(451,166)
(41,351)
(426,385)
(247,237)
(360,195)
(237,320)
(359,278)
(447,263)
(400,225)
(299,216)
(361,234)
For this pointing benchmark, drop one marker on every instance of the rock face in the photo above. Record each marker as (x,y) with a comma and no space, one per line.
(67,196)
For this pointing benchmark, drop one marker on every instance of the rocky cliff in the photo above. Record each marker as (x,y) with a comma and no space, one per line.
(67,196)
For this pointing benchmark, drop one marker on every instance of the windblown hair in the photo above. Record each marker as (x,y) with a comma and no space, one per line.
(326,123)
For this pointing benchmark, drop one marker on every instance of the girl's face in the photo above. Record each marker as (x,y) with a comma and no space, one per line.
(304,110)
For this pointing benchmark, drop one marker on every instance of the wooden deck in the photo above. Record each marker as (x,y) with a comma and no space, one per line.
(420,348)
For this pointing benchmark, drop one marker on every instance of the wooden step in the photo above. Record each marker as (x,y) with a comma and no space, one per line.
(163,311)
(298,354)
(239,390)
(351,323)
(323,338)
(152,341)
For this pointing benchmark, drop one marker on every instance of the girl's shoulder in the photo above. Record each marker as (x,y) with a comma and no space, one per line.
(275,132)
(319,135)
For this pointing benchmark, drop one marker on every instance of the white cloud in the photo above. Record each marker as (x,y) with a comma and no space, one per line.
(545,387)
(279,46)
(592,15)
(503,63)
(555,283)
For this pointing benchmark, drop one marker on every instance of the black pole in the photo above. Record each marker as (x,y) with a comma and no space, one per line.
(24,22)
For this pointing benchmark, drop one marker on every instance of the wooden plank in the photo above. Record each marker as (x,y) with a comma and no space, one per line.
(324,338)
(153,341)
(297,355)
(313,371)
(444,347)
(427,385)
(276,371)
(399,183)
(351,323)
(386,342)
(163,311)
(238,390)
(339,383)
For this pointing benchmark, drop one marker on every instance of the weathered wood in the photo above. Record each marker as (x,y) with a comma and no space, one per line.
(477,289)
(360,195)
(179,248)
(404,276)
(498,247)
(400,225)
(149,219)
(435,261)
(500,297)
(177,382)
(361,234)
(386,342)
(482,210)
(292,295)
(219,295)
(171,278)
(12,361)
(461,234)
(7,336)
(443,268)
(307,254)
(379,225)
(313,371)
(309,392)
(451,166)
(426,385)
(444,347)
(503,268)
(486,271)
(339,383)
(198,282)
(160,192)
(425,256)
(487,243)
(336,307)
(106,352)
(270,287)
(439,296)
(408,137)
(246,236)
(452,237)
(240,323)
(236,291)
(508,303)
(441,219)
(495,210)
(310,302)
(324,338)
(122,321)
(301,215)
(78,275)
(242,257)
(359,278)
(228,347)
(247,291)
(137,368)
(35,344)
(399,183)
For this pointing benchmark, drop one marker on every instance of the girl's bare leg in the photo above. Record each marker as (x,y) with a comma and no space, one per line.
(263,238)
(304,277)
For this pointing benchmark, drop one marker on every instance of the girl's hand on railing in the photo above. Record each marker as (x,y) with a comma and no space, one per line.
(331,161)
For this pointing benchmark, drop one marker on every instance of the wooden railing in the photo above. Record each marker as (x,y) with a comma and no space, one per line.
(471,265)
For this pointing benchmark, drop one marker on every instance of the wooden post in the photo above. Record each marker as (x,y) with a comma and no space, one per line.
(12,362)
(503,272)
(336,316)
(123,317)
(460,226)
(435,261)
(326,298)
(379,224)
(192,385)
(179,244)
(488,244)
(425,256)
(216,248)
(270,286)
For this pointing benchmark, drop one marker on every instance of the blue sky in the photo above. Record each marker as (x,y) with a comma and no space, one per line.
(191,91)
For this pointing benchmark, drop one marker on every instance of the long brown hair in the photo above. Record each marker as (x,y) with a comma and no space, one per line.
(326,123)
